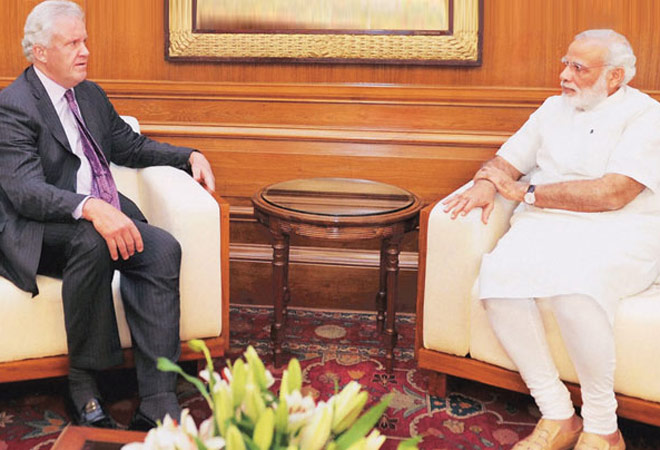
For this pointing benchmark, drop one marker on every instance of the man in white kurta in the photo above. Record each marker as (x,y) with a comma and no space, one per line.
(605,255)
(587,233)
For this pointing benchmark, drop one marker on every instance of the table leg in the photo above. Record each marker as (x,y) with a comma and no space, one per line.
(392,250)
(280,263)
(286,292)
(382,289)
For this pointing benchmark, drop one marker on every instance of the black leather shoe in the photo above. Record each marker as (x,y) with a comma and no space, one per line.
(93,415)
(141,422)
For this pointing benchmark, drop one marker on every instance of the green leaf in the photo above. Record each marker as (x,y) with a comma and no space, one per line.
(165,365)
(410,444)
(250,444)
(363,425)
(200,444)
(197,345)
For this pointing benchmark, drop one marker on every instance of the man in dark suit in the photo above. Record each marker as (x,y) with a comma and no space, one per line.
(60,214)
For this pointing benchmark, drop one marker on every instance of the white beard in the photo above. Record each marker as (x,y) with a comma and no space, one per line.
(587,98)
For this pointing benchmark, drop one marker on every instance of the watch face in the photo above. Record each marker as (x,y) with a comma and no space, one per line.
(529,198)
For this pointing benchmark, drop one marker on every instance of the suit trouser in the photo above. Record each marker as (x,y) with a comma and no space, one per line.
(150,294)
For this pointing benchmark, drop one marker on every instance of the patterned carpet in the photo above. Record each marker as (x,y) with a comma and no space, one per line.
(332,347)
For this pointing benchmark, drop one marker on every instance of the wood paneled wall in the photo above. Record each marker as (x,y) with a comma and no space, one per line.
(423,128)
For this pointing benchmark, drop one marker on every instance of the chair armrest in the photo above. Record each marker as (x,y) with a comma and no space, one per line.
(172,200)
(452,258)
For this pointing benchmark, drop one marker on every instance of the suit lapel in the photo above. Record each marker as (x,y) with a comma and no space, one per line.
(88,112)
(47,109)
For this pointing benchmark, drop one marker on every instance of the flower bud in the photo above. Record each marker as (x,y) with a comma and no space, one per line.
(253,404)
(223,407)
(263,431)
(239,378)
(374,440)
(282,416)
(256,367)
(347,406)
(284,384)
(196,345)
(316,433)
(295,376)
(234,439)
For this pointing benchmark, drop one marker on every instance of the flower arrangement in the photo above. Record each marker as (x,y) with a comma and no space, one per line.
(246,415)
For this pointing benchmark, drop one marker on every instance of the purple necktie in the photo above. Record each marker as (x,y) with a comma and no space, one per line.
(103,186)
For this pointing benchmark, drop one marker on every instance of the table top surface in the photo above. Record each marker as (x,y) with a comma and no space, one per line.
(337,197)
(74,437)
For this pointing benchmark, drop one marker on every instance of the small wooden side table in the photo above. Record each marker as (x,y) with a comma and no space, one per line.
(342,209)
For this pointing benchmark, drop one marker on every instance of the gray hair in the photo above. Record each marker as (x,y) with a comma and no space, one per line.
(620,53)
(39,23)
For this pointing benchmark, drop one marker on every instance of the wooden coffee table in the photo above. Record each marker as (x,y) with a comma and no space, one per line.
(74,438)
(341,209)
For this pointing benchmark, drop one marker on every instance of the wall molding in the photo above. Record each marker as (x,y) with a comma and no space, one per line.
(328,92)
(324,93)
(325,134)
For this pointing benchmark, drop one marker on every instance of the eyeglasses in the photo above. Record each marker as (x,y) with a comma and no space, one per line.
(580,68)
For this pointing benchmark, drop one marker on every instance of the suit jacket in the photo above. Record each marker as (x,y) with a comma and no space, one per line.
(38,170)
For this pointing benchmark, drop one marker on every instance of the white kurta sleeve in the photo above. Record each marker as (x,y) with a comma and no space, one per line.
(520,149)
(637,154)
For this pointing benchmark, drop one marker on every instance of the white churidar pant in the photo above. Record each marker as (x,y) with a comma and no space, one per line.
(587,333)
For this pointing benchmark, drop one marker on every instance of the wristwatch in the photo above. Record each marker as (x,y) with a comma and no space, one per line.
(529,196)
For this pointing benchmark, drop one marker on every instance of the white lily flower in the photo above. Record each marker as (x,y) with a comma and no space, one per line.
(187,423)
(315,434)
(168,436)
(216,443)
(226,373)
(375,440)
(206,429)
(270,380)
(242,395)
(206,376)
(301,410)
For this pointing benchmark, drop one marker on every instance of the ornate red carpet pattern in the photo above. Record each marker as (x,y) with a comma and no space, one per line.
(333,348)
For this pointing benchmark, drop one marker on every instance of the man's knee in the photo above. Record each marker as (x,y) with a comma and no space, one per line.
(566,307)
(88,244)
(162,250)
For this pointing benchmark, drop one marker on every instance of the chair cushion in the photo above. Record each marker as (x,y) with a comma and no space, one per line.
(636,336)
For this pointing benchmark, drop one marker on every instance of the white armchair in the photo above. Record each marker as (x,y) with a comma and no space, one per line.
(32,335)
(454,336)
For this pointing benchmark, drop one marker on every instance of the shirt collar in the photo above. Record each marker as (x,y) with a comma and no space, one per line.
(612,99)
(54,90)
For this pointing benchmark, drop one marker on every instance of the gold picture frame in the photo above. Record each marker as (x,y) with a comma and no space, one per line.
(459,44)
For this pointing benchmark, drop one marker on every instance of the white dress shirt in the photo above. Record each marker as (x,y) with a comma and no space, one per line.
(68,121)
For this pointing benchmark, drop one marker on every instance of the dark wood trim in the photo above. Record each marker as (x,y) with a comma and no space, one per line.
(324,134)
(330,256)
(224,264)
(57,366)
(421,275)
(74,437)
